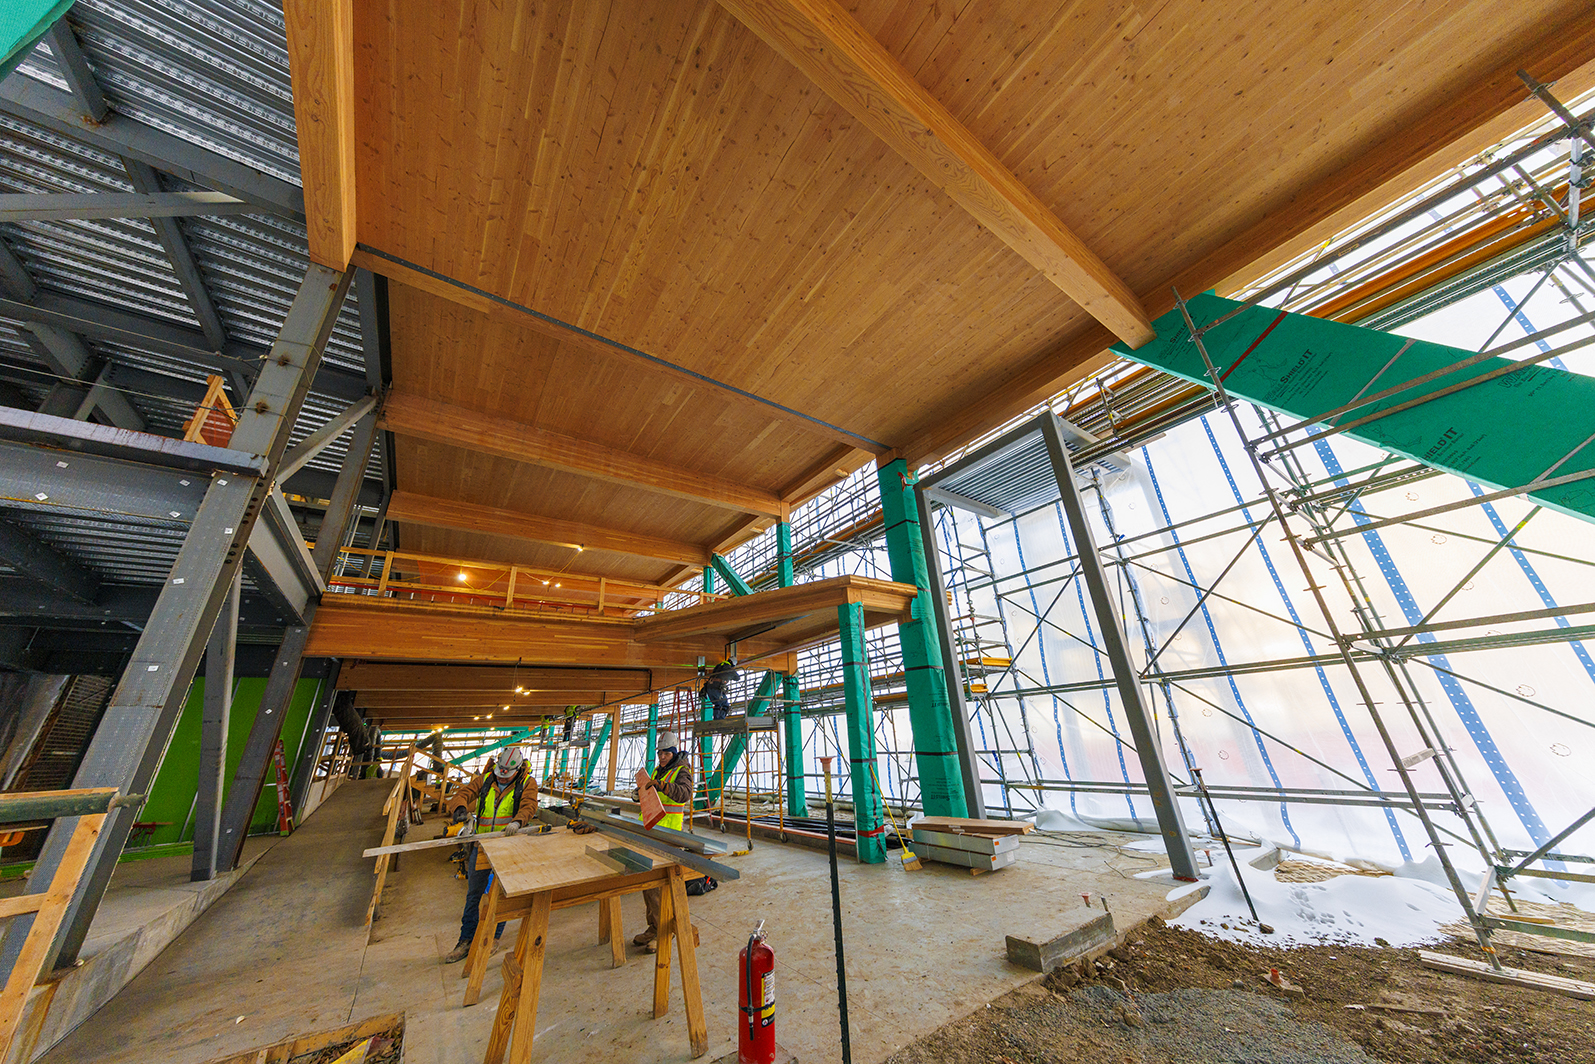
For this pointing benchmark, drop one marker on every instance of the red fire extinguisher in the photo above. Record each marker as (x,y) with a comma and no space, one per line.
(756,974)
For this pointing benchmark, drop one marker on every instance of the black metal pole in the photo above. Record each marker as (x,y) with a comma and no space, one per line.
(1223,836)
(836,914)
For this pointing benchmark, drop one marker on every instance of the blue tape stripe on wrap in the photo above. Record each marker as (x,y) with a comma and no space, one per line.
(1460,702)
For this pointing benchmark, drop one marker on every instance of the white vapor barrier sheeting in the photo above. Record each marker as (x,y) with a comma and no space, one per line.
(1528,768)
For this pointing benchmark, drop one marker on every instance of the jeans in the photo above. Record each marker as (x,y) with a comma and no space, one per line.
(476,881)
(719,700)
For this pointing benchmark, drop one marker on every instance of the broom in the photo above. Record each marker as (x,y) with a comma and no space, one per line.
(910,860)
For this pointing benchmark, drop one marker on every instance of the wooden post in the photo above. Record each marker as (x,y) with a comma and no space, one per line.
(509,596)
(387,568)
(603,593)
(666,928)
(534,941)
(614,746)
(687,955)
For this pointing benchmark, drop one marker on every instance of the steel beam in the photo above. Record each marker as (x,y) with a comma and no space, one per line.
(71,206)
(75,69)
(132,737)
(1182,859)
(278,560)
(23,601)
(91,318)
(317,441)
(145,180)
(123,136)
(218,707)
(42,563)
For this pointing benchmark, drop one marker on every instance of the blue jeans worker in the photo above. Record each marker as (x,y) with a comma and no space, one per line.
(504,798)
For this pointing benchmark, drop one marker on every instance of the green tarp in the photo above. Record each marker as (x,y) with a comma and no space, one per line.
(1504,433)
(22,23)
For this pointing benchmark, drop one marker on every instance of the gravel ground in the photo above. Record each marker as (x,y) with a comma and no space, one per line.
(1170,995)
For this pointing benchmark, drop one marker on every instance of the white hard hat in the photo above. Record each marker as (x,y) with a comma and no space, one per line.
(510,761)
(669,740)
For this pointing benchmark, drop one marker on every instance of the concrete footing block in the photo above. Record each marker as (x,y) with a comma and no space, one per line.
(1043,955)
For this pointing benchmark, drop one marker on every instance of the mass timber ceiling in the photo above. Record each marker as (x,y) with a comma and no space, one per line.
(756,242)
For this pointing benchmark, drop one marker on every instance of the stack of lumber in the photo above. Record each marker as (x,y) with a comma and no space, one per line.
(980,845)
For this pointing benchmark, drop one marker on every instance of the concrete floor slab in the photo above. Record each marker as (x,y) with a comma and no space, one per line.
(290,954)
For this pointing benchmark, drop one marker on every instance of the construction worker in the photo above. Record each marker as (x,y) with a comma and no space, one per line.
(672,781)
(570,720)
(714,688)
(503,797)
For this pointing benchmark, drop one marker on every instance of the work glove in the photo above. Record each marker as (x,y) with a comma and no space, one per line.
(460,815)
(582,829)
(512,828)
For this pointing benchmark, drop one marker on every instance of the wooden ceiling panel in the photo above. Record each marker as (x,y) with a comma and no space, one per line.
(657,175)
(650,170)
(458,355)
(429,468)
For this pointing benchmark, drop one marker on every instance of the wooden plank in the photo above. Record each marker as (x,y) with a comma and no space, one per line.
(428,419)
(820,38)
(664,932)
(777,605)
(958,825)
(449,513)
(395,808)
(25,970)
(526,864)
(430,844)
(474,970)
(1576,988)
(613,931)
(321,61)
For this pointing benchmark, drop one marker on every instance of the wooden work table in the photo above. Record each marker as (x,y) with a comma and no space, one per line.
(535,874)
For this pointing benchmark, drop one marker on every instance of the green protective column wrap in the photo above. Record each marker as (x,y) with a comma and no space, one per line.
(868,815)
(929,712)
(564,758)
(22,23)
(171,799)
(1504,433)
(651,754)
(737,585)
(797,799)
(590,762)
(739,743)
(797,796)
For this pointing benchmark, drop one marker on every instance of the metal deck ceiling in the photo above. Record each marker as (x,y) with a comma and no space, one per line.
(214,74)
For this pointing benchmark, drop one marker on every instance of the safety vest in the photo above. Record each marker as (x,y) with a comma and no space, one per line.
(673,810)
(503,810)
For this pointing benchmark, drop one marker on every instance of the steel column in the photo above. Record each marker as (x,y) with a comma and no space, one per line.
(131,739)
(936,746)
(218,708)
(968,759)
(304,768)
(868,814)
(250,778)
(1182,859)
(797,799)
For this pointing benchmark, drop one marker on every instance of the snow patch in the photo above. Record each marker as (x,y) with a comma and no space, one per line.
(1351,909)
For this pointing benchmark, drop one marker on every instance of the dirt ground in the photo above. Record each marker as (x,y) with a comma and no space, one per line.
(1170,996)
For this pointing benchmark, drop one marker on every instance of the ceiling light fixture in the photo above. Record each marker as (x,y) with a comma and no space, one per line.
(462,574)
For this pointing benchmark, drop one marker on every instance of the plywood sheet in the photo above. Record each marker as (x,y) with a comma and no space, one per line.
(525,864)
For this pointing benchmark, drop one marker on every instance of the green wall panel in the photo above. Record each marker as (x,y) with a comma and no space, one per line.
(171,800)
(1504,433)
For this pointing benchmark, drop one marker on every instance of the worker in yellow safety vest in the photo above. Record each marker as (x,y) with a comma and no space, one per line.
(672,781)
(504,798)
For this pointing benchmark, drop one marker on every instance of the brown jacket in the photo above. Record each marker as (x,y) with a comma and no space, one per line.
(680,788)
(471,793)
